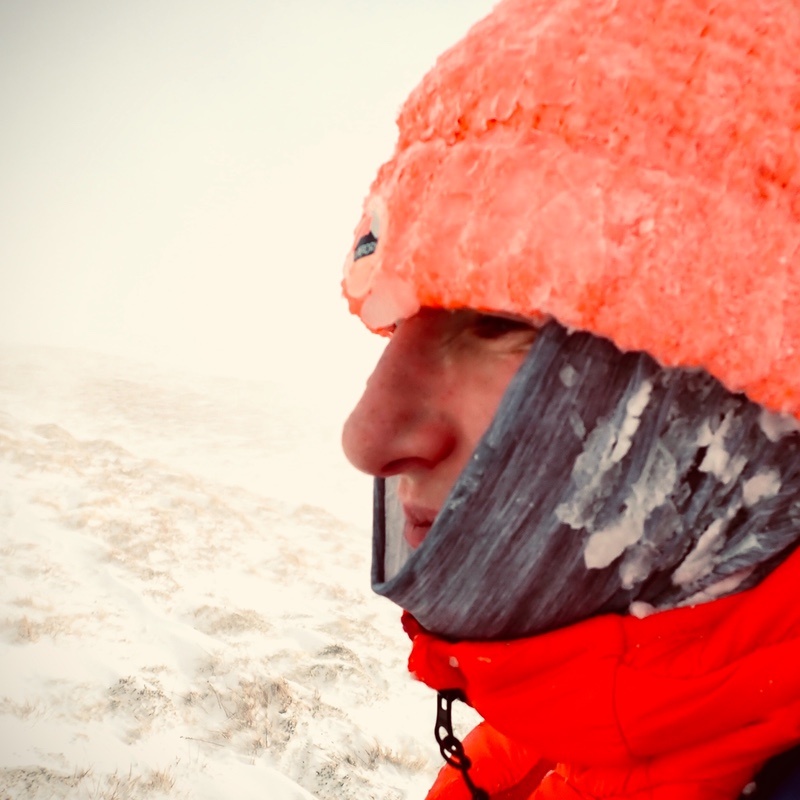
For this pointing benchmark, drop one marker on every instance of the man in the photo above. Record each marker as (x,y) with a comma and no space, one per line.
(584,425)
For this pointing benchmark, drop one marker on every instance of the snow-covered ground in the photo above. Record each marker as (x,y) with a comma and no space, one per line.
(185,609)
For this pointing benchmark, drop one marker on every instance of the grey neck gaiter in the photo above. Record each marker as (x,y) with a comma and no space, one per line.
(605,483)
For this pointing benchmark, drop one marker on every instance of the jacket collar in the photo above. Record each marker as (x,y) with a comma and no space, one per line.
(695,699)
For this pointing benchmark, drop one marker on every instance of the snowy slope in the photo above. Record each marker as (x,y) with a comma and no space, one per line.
(184,612)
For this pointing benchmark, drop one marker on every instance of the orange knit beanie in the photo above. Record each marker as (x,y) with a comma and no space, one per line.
(629,167)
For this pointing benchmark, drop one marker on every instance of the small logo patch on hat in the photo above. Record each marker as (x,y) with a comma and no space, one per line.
(367,237)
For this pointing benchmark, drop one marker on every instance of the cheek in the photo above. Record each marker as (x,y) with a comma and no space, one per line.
(481,396)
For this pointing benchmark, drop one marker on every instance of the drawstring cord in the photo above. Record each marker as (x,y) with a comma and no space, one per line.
(450,746)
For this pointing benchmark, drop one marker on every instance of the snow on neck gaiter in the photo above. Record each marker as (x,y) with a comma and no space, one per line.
(603,481)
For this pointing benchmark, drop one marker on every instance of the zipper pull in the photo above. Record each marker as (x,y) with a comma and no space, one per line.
(450,746)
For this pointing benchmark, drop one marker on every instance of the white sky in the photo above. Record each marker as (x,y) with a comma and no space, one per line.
(180,180)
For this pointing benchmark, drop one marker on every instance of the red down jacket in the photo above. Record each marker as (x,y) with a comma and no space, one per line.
(686,704)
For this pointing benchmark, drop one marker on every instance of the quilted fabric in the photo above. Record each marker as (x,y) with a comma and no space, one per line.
(687,703)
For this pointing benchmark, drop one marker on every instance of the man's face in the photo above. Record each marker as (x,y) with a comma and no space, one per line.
(429,400)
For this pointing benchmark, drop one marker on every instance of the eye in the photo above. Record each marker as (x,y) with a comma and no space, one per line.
(488,326)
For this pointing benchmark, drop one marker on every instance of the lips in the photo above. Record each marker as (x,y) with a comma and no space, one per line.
(418,521)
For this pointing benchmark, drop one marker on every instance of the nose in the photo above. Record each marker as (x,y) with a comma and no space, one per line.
(401,423)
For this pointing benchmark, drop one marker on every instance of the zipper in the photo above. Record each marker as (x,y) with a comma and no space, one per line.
(450,746)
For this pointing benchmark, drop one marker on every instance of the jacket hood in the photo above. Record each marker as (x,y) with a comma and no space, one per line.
(628,167)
